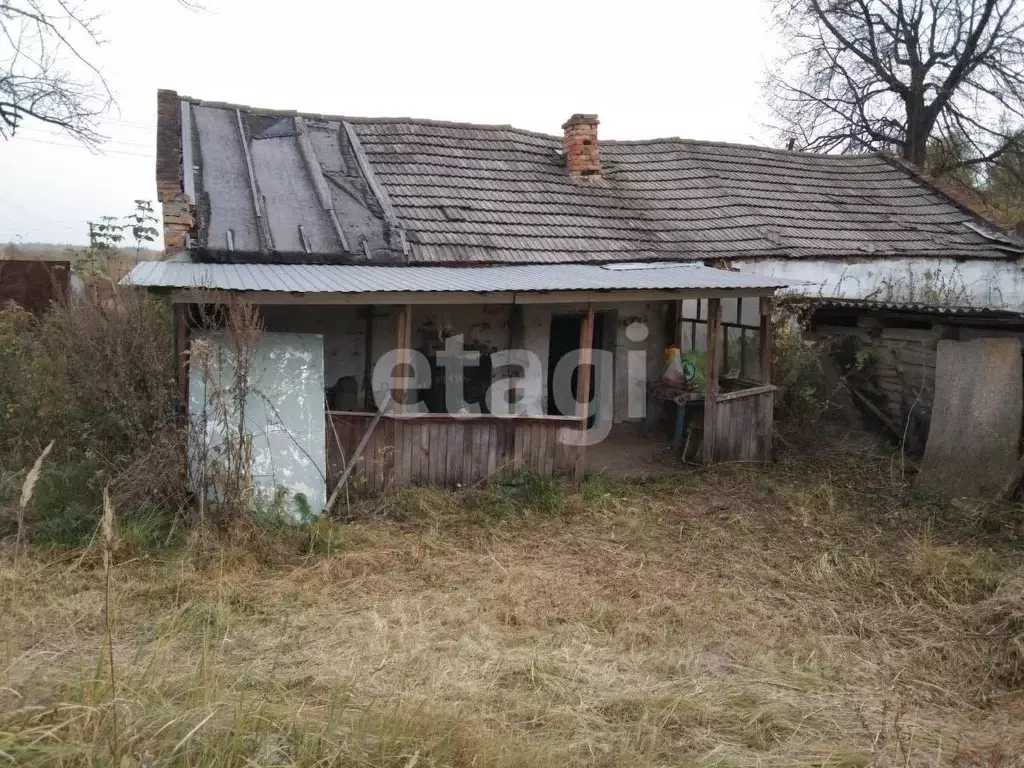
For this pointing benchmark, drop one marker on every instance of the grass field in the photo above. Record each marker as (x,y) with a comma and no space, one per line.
(812,614)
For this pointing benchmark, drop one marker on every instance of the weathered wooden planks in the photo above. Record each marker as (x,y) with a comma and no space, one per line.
(448,450)
(743,426)
(583,374)
(713,362)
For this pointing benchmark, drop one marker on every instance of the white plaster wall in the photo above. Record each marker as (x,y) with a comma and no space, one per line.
(343,331)
(981,282)
(384,336)
(537,322)
(482,325)
(631,385)
(537,338)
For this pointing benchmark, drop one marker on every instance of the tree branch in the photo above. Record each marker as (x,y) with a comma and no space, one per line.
(47,71)
(900,73)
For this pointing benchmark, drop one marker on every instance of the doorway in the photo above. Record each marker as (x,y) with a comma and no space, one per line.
(565,340)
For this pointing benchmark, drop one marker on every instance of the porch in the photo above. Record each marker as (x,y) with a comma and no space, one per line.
(733,420)
(447,450)
(377,451)
(516,407)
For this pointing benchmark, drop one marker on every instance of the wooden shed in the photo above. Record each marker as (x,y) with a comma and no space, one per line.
(885,352)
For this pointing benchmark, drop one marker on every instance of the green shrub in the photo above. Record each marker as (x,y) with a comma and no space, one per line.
(17,396)
(96,376)
(64,511)
(796,370)
(523,493)
(147,530)
(326,537)
(66,507)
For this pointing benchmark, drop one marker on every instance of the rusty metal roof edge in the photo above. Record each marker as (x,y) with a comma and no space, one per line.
(909,307)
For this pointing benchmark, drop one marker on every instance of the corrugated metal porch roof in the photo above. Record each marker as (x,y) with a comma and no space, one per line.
(345,278)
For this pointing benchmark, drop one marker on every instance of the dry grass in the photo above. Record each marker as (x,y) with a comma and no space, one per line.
(95,378)
(814,614)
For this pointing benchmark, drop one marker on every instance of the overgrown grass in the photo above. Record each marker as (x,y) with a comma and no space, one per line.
(815,613)
(511,499)
(94,377)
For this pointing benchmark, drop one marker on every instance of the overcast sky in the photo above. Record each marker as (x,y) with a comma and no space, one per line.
(677,68)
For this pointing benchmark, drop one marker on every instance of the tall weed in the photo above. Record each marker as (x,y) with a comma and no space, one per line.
(796,367)
(95,375)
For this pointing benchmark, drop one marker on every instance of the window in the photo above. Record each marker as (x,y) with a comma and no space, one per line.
(740,340)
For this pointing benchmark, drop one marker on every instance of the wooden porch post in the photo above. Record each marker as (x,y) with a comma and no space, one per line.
(583,372)
(181,356)
(516,333)
(766,369)
(367,313)
(766,340)
(403,341)
(714,363)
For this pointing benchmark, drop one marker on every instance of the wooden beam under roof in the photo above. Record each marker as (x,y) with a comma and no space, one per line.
(465,297)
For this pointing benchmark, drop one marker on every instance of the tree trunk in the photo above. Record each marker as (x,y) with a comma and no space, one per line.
(919,128)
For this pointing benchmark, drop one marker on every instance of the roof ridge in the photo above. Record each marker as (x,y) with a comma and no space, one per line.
(616,142)
(452,124)
(739,145)
(363,119)
(405,120)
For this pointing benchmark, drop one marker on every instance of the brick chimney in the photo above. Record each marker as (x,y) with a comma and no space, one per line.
(177,208)
(579,143)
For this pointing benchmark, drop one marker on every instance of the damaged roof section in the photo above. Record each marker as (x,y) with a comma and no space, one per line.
(665,199)
(287,186)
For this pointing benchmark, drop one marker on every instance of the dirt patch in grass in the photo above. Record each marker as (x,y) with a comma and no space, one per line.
(814,613)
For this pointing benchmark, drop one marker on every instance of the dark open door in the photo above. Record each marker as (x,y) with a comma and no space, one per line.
(565,340)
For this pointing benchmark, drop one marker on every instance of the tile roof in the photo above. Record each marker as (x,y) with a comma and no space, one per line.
(433,192)
(352,278)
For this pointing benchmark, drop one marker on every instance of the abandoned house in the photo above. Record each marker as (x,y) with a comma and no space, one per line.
(357,236)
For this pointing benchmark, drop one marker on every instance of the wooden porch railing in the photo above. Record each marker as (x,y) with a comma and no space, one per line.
(447,449)
(738,424)
(742,425)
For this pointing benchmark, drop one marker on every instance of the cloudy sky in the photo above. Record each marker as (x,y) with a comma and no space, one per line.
(676,68)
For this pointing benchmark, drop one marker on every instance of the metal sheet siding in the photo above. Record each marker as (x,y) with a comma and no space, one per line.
(336,278)
(911,307)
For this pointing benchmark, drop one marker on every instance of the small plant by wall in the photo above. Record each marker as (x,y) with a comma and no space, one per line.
(813,373)
(254,453)
(929,286)
(221,445)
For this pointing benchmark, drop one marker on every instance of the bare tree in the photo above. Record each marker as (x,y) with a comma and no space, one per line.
(47,71)
(863,75)
(1004,186)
